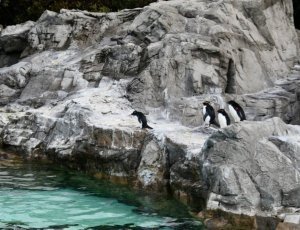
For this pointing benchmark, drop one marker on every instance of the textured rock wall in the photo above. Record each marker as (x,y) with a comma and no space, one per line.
(13,41)
(248,176)
(80,75)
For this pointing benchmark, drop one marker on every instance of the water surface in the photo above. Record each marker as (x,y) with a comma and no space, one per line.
(37,196)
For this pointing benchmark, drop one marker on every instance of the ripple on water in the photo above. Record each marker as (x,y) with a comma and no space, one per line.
(40,209)
(32,198)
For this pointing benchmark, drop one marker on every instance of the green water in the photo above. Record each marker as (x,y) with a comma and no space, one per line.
(36,196)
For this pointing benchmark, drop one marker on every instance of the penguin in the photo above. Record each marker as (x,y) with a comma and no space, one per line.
(236,111)
(223,118)
(208,114)
(142,119)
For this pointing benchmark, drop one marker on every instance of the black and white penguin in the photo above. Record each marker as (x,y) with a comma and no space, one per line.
(208,114)
(236,111)
(223,118)
(142,119)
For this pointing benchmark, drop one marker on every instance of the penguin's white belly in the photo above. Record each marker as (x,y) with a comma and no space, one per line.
(222,120)
(234,114)
(204,110)
(207,120)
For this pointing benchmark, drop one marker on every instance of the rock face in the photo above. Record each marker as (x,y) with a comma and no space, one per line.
(13,41)
(70,81)
(253,166)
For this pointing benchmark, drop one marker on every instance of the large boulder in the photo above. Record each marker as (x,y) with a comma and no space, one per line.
(13,41)
(253,167)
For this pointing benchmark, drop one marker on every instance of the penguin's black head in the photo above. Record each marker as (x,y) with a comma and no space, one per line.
(134,113)
(231,102)
(206,103)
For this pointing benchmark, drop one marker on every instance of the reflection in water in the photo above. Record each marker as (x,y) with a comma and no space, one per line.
(43,197)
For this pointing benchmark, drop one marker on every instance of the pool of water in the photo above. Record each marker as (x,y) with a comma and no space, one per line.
(37,196)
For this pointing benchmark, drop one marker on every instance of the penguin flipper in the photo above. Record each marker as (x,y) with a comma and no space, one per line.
(241,114)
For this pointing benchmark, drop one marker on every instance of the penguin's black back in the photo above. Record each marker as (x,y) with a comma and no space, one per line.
(238,109)
(142,119)
(210,112)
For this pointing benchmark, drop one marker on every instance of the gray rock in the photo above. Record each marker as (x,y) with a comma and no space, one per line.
(7,94)
(82,74)
(247,172)
(13,41)
(281,100)
(293,218)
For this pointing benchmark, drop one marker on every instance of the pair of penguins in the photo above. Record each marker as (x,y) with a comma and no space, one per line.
(235,110)
(209,116)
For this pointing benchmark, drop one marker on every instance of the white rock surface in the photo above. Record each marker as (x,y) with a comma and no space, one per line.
(292,218)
